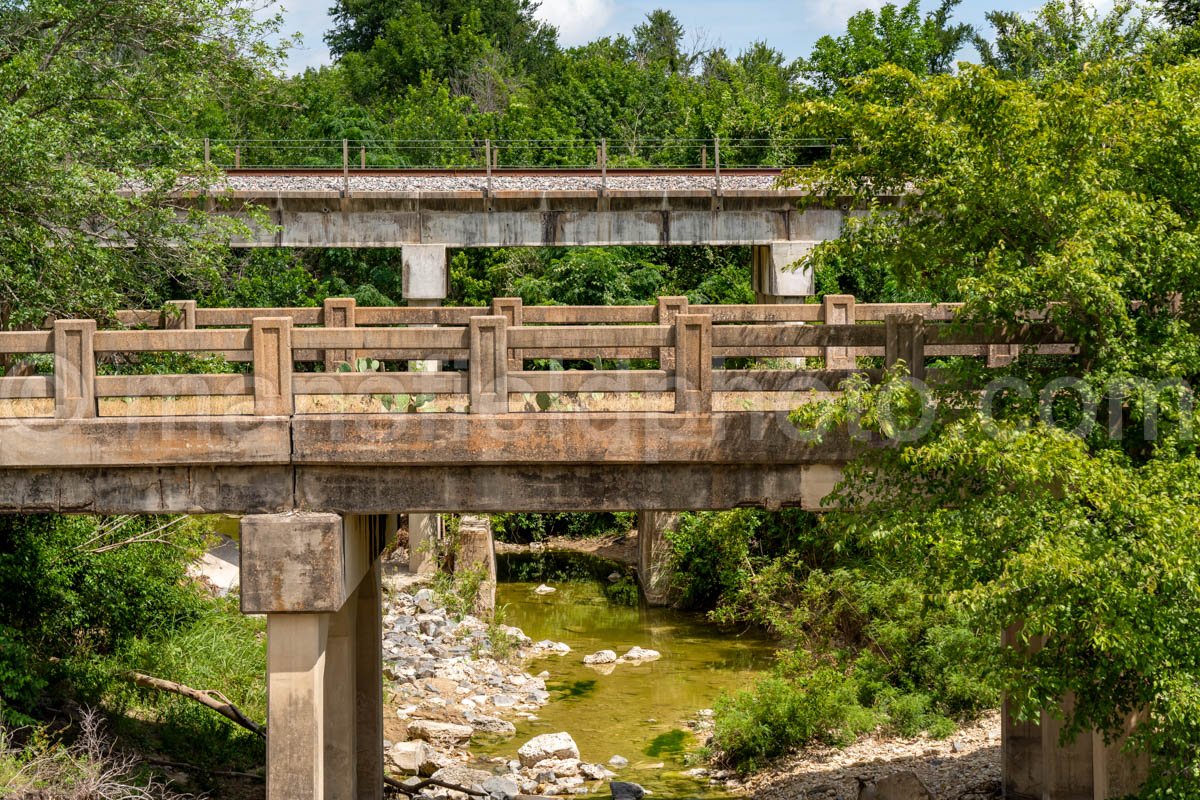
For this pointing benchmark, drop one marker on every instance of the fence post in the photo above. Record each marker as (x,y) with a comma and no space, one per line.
(237,157)
(906,342)
(487,158)
(839,310)
(666,312)
(74,369)
(513,312)
(693,363)
(207,151)
(271,338)
(339,313)
(717,161)
(362,156)
(1002,355)
(604,165)
(182,318)
(489,365)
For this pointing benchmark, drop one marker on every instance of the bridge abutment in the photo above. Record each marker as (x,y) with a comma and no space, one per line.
(316,577)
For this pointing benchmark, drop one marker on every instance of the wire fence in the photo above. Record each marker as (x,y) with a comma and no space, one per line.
(373,154)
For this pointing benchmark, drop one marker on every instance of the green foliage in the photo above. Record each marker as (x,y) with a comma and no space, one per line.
(78,588)
(524,528)
(221,648)
(896,35)
(623,591)
(778,714)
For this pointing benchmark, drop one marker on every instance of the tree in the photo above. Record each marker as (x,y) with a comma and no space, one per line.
(893,35)
(1060,38)
(92,93)
(1180,13)
(1080,192)
(389,45)
(659,42)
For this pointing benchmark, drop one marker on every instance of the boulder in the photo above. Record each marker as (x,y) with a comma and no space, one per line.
(548,745)
(897,786)
(595,772)
(603,657)
(544,589)
(494,725)
(432,731)
(637,654)
(462,776)
(501,788)
(409,756)
(620,762)
(621,790)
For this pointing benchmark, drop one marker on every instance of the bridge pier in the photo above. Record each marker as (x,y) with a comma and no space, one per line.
(654,567)
(316,577)
(772,277)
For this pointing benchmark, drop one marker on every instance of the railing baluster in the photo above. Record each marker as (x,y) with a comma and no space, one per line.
(272,341)
(839,310)
(339,313)
(74,369)
(906,342)
(489,365)
(693,363)
(182,318)
(668,309)
(513,311)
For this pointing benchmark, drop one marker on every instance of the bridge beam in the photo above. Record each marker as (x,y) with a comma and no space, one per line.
(316,578)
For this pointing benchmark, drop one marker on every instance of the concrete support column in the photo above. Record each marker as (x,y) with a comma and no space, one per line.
(779,274)
(1036,766)
(654,553)
(426,272)
(296,706)
(476,550)
(316,577)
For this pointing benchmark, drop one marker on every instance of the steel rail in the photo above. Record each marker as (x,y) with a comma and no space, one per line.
(499,172)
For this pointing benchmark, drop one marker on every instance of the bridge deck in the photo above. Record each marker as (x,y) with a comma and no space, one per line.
(311,417)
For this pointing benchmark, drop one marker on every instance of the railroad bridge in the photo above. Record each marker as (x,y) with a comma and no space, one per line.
(321,425)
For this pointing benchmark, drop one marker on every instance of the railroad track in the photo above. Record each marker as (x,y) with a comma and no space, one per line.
(498,172)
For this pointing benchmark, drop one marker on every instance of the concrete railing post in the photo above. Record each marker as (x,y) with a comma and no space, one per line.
(839,310)
(339,313)
(668,309)
(1002,355)
(693,363)
(74,369)
(489,365)
(179,315)
(271,338)
(906,342)
(513,311)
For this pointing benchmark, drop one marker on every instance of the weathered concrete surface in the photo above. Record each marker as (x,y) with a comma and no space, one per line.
(654,568)
(144,441)
(425,272)
(307,562)
(296,706)
(476,551)
(560,438)
(550,488)
(148,490)
(533,219)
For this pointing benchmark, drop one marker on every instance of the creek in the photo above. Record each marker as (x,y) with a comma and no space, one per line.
(638,711)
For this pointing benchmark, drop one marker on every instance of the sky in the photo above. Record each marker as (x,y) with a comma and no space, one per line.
(789,26)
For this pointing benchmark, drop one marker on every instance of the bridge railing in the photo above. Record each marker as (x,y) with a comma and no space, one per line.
(670,357)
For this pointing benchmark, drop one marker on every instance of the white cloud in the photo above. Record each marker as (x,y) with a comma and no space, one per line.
(578,21)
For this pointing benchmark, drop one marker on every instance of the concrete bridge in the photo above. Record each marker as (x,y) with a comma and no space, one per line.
(283,416)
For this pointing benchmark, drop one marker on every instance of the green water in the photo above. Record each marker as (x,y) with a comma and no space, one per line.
(638,711)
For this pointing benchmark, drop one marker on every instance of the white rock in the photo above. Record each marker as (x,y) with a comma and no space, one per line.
(432,731)
(620,762)
(544,589)
(602,657)
(548,745)
(638,654)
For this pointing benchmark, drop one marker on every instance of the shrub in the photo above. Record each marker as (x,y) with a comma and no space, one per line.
(779,714)
(525,528)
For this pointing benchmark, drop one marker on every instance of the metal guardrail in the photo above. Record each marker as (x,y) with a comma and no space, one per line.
(376,154)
